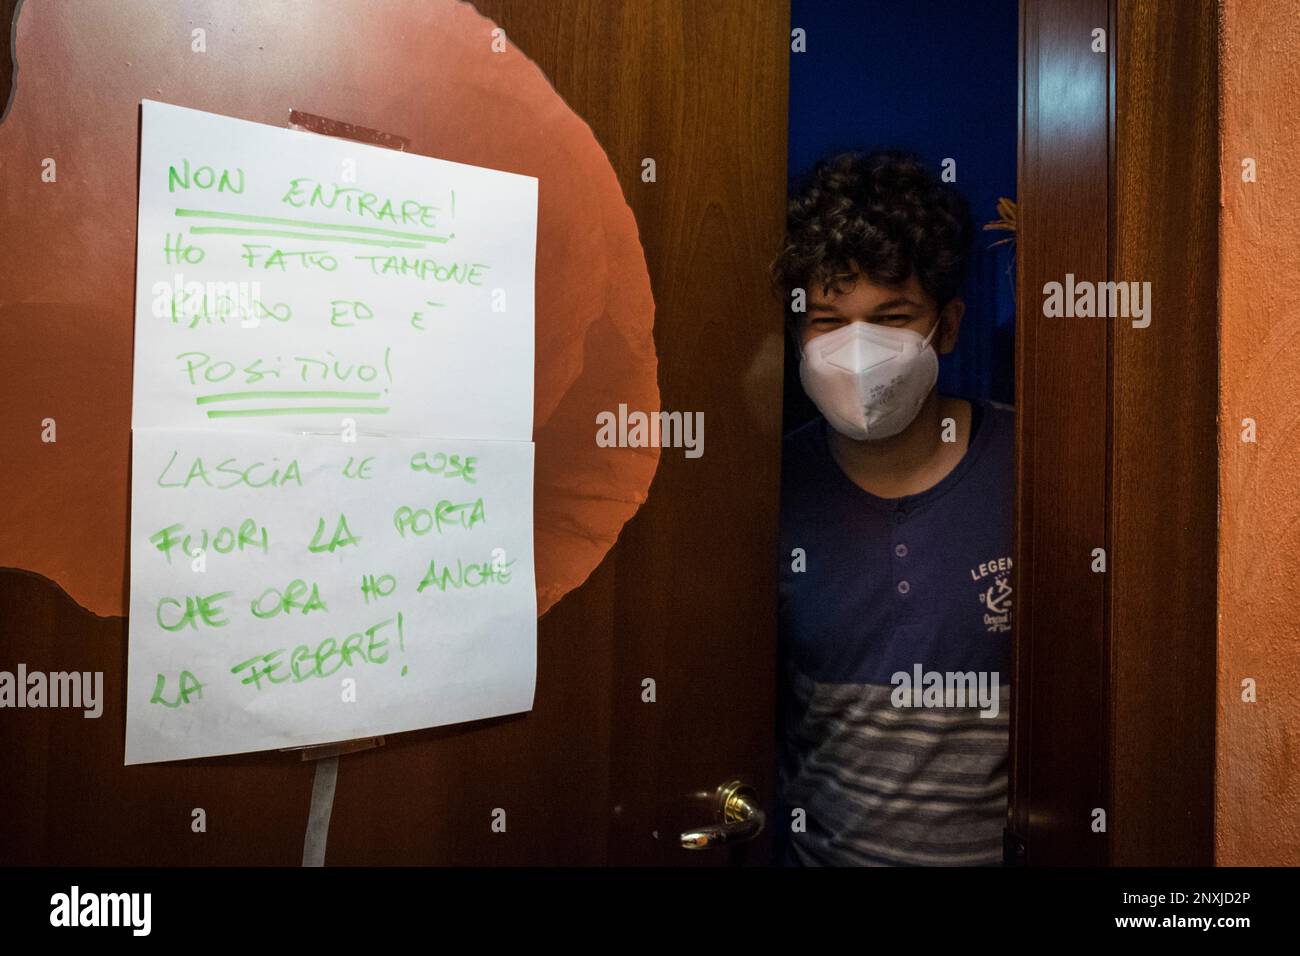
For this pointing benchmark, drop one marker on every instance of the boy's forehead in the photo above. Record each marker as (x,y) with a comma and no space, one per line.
(863,294)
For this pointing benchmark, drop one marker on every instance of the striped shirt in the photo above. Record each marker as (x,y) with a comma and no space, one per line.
(886,603)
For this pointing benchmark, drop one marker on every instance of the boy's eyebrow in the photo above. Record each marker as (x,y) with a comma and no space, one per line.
(896,303)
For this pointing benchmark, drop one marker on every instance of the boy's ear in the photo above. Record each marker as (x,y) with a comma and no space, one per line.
(949,326)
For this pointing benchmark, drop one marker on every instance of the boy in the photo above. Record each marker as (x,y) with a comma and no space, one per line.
(896,536)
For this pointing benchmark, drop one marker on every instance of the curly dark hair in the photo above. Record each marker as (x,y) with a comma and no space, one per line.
(883,214)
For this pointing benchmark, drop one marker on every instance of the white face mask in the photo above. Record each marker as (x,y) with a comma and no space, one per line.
(869,380)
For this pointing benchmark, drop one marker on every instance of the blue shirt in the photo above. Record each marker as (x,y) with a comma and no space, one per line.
(895,658)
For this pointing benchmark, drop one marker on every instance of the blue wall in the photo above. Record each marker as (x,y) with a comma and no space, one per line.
(938,77)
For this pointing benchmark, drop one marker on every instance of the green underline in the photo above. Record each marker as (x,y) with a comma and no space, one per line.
(237,396)
(308,410)
(284,221)
(314,236)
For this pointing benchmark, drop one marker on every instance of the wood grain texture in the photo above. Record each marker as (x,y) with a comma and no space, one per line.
(1114,670)
(701,89)
(1058,694)
(66,799)
(1164,462)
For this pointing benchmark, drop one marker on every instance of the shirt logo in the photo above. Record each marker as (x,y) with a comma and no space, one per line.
(995,597)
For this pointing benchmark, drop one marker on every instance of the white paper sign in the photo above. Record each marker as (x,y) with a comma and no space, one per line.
(403,565)
(331,527)
(286,280)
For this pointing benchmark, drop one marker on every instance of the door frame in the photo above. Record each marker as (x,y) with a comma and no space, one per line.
(1113,719)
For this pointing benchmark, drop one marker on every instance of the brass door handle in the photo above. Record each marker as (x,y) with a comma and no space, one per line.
(740,815)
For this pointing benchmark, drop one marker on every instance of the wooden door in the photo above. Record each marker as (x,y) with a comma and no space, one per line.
(1113,717)
(595,773)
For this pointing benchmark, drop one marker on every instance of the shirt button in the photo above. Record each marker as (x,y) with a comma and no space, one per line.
(900,550)
(904,587)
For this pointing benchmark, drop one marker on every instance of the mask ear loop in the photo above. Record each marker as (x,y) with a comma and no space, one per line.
(937,323)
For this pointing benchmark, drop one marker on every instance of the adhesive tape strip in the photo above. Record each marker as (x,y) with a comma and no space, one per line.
(325,126)
(318,818)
